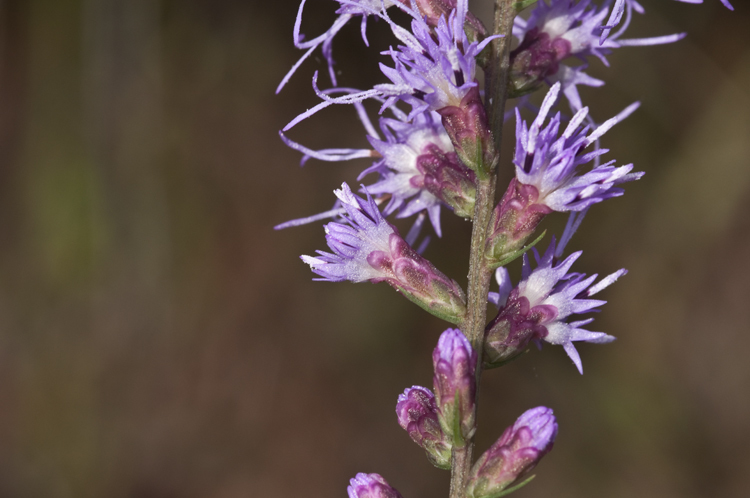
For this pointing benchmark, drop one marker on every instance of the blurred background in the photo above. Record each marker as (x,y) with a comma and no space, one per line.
(159,340)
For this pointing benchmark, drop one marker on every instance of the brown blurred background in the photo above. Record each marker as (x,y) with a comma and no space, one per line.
(159,340)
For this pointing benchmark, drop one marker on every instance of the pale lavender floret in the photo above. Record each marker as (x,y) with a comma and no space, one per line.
(549,295)
(551,163)
(515,454)
(366,232)
(370,486)
(434,69)
(407,156)
(368,248)
(399,169)
(561,29)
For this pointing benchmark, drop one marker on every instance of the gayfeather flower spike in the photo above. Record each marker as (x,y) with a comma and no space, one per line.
(417,415)
(537,309)
(548,176)
(503,467)
(559,30)
(370,486)
(368,248)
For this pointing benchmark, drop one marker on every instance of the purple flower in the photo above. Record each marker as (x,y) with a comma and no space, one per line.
(434,69)
(368,248)
(561,29)
(417,414)
(538,308)
(370,486)
(454,361)
(549,177)
(418,167)
(550,162)
(514,455)
(421,170)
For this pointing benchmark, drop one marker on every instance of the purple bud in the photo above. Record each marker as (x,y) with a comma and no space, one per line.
(370,486)
(446,177)
(515,454)
(455,362)
(433,10)
(417,414)
(467,125)
(534,60)
(514,219)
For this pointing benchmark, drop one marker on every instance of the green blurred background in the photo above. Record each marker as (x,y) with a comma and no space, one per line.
(159,340)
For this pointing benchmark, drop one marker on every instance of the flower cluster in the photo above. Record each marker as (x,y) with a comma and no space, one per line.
(368,248)
(436,148)
(537,309)
(549,178)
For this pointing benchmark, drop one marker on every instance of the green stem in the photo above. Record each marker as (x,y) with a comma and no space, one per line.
(480,274)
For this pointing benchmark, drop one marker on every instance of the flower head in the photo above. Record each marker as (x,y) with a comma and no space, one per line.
(370,486)
(417,415)
(434,69)
(368,248)
(538,309)
(550,161)
(420,169)
(515,454)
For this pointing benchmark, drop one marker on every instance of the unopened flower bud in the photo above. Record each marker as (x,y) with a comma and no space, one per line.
(514,455)
(433,10)
(417,414)
(534,60)
(370,486)
(467,125)
(454,362)
(514,219)
(445,177)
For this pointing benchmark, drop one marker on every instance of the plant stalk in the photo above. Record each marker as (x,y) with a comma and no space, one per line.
(496,85)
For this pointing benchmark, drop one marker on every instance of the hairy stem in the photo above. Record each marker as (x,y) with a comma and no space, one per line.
(496,84)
